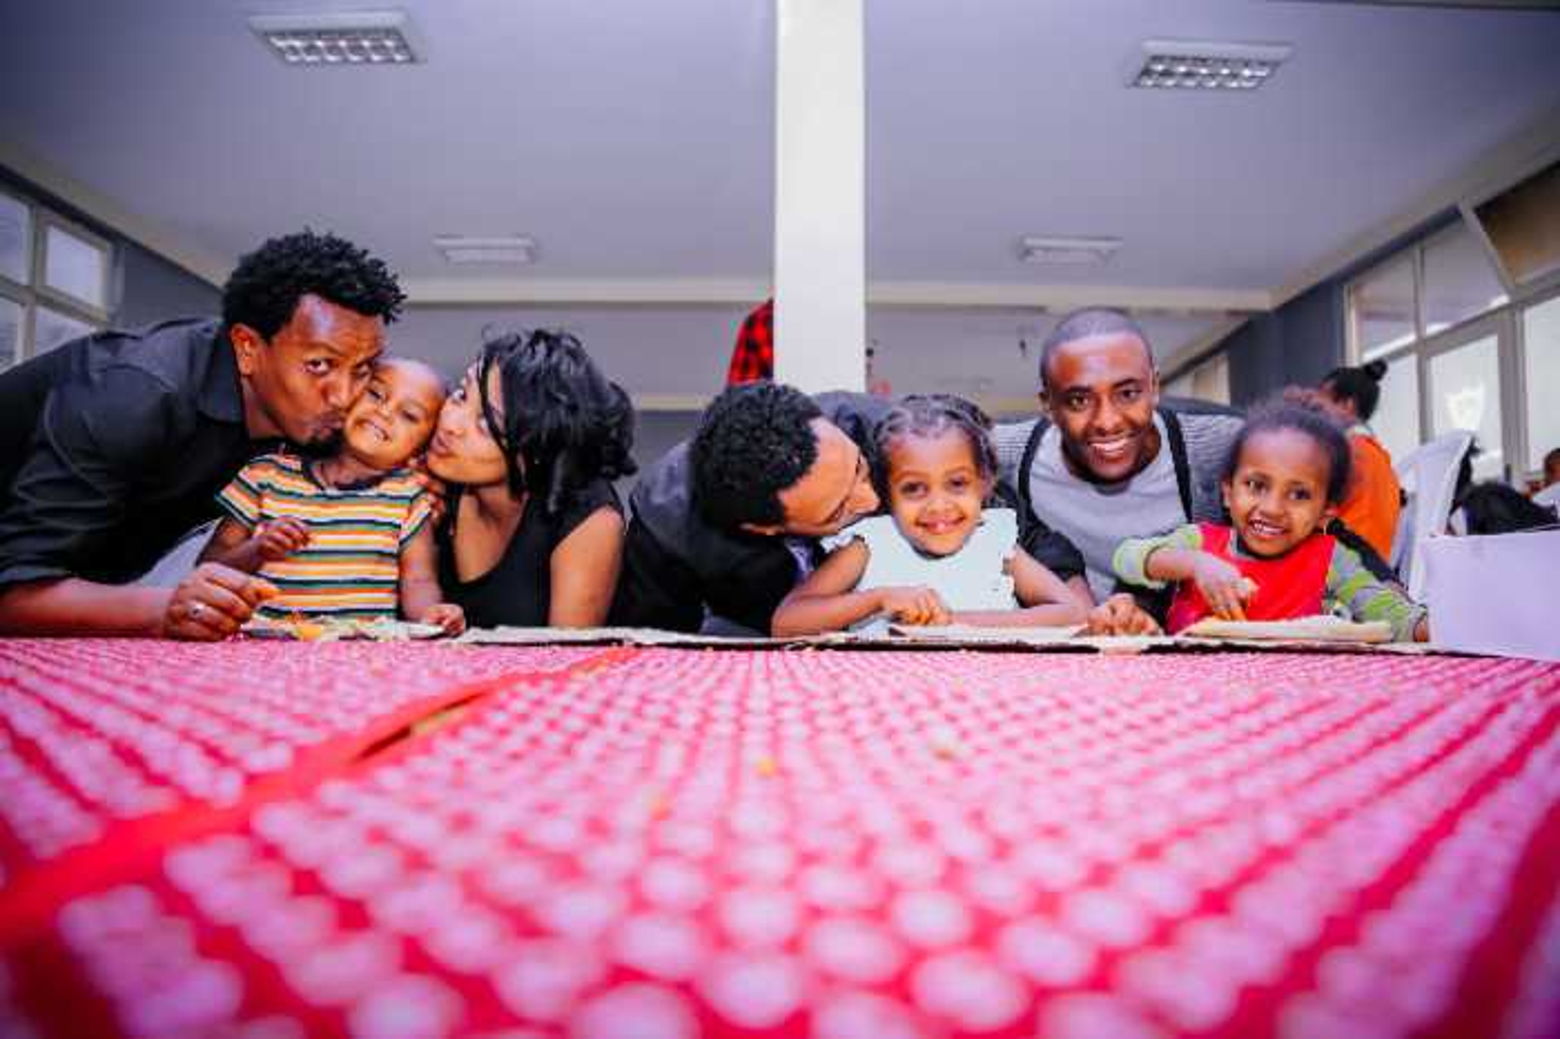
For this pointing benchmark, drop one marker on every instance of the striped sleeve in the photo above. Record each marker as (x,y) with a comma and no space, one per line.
(1366,598)
(418,513)
(1131,558)
(241,497)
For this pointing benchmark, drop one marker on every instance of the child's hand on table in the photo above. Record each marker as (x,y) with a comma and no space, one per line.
(447,616)
(1225,588)
(920,605)
(1120,615)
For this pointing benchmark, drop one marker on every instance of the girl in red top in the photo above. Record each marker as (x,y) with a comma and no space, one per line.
(1287,472)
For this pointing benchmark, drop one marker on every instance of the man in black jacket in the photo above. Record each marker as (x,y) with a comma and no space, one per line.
(113,446)
(725,525)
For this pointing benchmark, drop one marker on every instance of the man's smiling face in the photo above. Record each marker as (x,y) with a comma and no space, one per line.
(1101,392)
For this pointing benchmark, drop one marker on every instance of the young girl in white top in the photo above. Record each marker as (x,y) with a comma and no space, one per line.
(939,557)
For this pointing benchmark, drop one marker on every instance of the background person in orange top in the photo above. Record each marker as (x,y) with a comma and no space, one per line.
(1375,498)
(348,536)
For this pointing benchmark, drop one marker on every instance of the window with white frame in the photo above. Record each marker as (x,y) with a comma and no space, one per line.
(1461,352)
(55,280)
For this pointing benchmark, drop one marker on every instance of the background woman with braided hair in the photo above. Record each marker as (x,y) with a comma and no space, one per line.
(529,444)
(1374,499)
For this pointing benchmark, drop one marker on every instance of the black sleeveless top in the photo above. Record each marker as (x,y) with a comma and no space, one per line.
(517,591)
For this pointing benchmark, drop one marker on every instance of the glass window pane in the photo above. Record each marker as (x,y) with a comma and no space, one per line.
(1541,375)
(1396,421)
(1381,305)
(51,328)
(1465,389)
(15,239)
(75,266)
(1460,282)
(10,332)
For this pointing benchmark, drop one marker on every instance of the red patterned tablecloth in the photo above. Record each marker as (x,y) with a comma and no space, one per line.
(649,843)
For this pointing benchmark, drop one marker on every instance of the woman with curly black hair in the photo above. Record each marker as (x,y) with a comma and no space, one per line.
(530,442)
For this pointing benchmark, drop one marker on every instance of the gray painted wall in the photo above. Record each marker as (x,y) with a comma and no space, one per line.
(152,289)
(1296,344)
(1307,337)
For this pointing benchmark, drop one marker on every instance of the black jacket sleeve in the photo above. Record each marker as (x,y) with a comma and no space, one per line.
(656,589)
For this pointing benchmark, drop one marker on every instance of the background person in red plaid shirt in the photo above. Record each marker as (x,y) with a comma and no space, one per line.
(753,358)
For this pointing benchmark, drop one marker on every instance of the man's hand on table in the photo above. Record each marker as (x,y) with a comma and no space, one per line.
(213,602)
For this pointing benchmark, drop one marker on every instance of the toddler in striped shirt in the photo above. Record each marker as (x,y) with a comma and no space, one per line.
(347,536)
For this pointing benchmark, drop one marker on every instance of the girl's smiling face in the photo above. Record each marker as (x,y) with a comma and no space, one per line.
(935,490)
(1278,494)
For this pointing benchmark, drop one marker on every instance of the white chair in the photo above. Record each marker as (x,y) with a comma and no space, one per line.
(1428,475)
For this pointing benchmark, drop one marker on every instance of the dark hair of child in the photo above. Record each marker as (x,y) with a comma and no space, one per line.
(932,415)
(564,423)
(1360,386)
(1288,414)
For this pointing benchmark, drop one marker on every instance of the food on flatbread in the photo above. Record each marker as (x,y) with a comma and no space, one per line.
(333,629)
(1320,628)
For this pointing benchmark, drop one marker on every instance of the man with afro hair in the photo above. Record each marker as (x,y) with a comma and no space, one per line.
(114,445)
(725,525)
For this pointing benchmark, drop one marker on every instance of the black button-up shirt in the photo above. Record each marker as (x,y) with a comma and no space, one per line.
(112,447)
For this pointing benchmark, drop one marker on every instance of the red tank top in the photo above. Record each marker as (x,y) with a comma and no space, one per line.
(1287,587)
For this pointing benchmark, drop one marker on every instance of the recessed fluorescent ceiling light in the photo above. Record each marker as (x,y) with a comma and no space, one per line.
(339,38)
(507,249)
(1069,251)
(1189,65)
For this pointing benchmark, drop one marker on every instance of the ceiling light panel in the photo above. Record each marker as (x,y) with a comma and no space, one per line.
(342,38)
(1193,65)
(511,249)
(1069,252)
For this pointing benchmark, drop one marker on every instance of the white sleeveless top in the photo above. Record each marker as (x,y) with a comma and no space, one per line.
(973,578)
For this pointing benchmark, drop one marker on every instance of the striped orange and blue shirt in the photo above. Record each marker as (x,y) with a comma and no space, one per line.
(351,566)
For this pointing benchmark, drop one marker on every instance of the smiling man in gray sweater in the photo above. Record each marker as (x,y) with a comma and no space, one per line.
(1107,460)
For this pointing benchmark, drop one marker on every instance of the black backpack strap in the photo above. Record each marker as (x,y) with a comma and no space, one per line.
(1026,510)
(1183,469)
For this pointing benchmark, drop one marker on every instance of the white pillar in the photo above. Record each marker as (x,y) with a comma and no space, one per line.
(820,213)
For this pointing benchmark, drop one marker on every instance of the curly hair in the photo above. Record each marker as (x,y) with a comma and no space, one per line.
(1359,386)
(754,441)
(932,415)
(1298,410)
(564,423)
(264,288)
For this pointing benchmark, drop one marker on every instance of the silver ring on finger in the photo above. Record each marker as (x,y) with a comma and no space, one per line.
(196,609)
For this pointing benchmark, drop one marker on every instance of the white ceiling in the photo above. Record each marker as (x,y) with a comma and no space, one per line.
(633,140)
(991,354)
